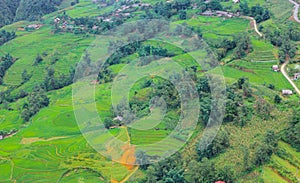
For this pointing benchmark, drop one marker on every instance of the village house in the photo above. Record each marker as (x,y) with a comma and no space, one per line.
(224,13)
(34,26)
(236,1)
(118,118)
(296,76)
(1,137)
(57,20)
(287,92)
(275,68)
(208,13)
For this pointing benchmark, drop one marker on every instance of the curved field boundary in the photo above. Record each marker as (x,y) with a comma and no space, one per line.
(296,10)
(254,24)
(288,78)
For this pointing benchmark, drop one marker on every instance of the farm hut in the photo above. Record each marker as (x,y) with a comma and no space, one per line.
(119,118)
(287,92)
(296,76)
(56,20)
(207,13)
(224,13)
(275,68)
(34,26)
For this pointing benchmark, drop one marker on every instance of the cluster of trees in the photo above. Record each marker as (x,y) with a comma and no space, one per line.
(265,149)
(74,2)
(236,109)
(292,135)
(6,36)
(283,38)
(168,9)
(241,46)
(8,11)
(258,12)
(140,106)
(16,10)
(172,170)
(120,50)
(5,63)
(217,146)
(35,102)
(52,82)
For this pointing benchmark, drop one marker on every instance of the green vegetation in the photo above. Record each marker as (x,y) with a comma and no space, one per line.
(40,138)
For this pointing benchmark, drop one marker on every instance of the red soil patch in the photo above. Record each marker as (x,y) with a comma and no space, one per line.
(128,157)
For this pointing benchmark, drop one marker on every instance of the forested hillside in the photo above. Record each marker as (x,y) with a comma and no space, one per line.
(8,11)
(16,10)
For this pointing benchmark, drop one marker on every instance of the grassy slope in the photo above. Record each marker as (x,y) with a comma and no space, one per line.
(55,157)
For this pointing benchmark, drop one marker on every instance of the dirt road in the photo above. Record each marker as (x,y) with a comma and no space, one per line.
(255,25)
(288,78)
(296,10)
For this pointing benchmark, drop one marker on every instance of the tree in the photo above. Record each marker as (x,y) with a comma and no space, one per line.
(35,101)
(182,14)
(38,60)
(277,99)
(5,63)
(142,159)
(217,146)
(265,149)
(215,5)
(246,158)
(25,76)
(292,135)
(244,8)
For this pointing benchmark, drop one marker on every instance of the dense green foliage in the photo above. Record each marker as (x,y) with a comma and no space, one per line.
(36,100)
(6,36)
(5,63)
(8,11)
(293,132)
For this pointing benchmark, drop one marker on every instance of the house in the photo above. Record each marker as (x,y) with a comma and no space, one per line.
(287,92)
(57,20)
(220,182)
(275,68)
(296,76)
(119,118)
(208,13)
(224,13)
(1,137)
(34,26)
(236,1)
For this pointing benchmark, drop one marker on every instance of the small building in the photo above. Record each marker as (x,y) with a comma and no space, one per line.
(236,1)
(1,137)
(296,76)
(275,68)
(118,118)
(208,13)
(57,20)
(34,26)
(220,182)
(224,13)
(287,92)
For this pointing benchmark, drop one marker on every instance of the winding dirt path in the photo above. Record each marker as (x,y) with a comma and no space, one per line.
(254,24)
(288,78)
(296,10)
(283,70)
